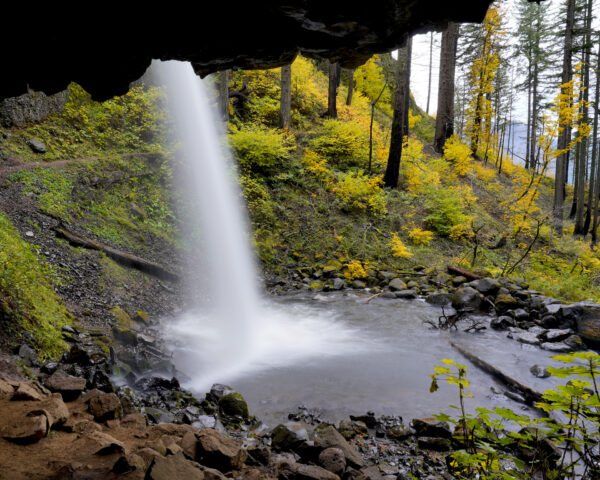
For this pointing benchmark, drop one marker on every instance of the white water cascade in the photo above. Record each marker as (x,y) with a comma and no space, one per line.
(231,330)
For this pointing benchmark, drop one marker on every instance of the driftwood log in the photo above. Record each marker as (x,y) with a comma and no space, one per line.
(123,258)
(531,396)
(465,273)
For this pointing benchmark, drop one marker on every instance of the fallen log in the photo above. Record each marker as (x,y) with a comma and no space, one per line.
(123,258)
(531,396)
(465,273)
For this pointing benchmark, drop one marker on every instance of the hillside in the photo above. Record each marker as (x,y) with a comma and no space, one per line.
(317,208)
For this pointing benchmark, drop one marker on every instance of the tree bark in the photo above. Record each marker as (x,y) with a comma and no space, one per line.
(400,119)
(285,109)
(350,88)
(564,137)
(224,94)
(334,80)
(430,67)
(595,170)
(444,123)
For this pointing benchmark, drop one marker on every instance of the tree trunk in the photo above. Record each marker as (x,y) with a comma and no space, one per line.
(594,173)
(400,119)
(224,94)
(563,138)
(334,73)
(430,66)
(529,122)
(583,152)
(350,88)
(285,108)
(444,123)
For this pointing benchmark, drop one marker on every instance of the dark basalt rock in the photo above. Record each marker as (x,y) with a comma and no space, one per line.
(239,34)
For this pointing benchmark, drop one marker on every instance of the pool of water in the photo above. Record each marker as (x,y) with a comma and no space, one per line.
(336,353)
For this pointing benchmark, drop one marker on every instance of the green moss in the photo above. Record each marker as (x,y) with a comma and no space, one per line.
(123,319)
(27,296)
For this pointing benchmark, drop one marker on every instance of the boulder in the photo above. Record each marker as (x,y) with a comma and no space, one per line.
(529,338)
(370,473)
(105,406)
(351,428)
(172,468)
(487,286)
(587,317)
(338,283)
(333,459)
(29,391)
(358,284)
(440,299)
(466,298)
(399,432)
(396,285)
(6,390)
(520,315)
(68,386)
(502,322)
(311,472)
(36,145)
(26,429)
(55,408)
(105,444)
(435,444)
(430,427)
(329,437)
(216,451)
(31,107)
(233,404)
(288,436)
(558,347)
(129,463)
(539,371)
(557,335)
(28,355)
(406,294)
(505,302)
(575,342)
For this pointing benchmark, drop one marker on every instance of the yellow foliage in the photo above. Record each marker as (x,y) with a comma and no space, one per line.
(460,231)
(484,173)
(417,170)
(419,236)
(316,165)
(398,247)
(459,154)
(355,269)
(412,119)
(361,192)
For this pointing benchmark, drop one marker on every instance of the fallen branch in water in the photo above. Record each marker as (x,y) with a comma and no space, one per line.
(123,258)
(372,297)
(531,396)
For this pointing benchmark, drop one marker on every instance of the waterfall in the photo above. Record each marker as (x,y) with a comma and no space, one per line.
(228,329)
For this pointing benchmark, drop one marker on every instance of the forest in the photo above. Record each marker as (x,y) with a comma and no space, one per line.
(324,270)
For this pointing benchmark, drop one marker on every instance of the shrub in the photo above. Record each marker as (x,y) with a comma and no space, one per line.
(459,154)
(398,247)
(445,211)
(419,236)
(355,269)
(360,192)
(343,143)
(259,151)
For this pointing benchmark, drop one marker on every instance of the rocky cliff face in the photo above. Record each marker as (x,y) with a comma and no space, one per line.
(107,49)
(30,107)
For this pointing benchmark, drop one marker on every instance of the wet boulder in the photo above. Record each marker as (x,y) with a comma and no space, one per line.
(486,286)
(539,371)
(466,298)
(557,335)
(308,472)
(587,318)
(440,299)
(406,294)
(351,428)
(430,427)
(396,285)
(502,322)
(289,436)
(505,302)
(234,404)
(436,444)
